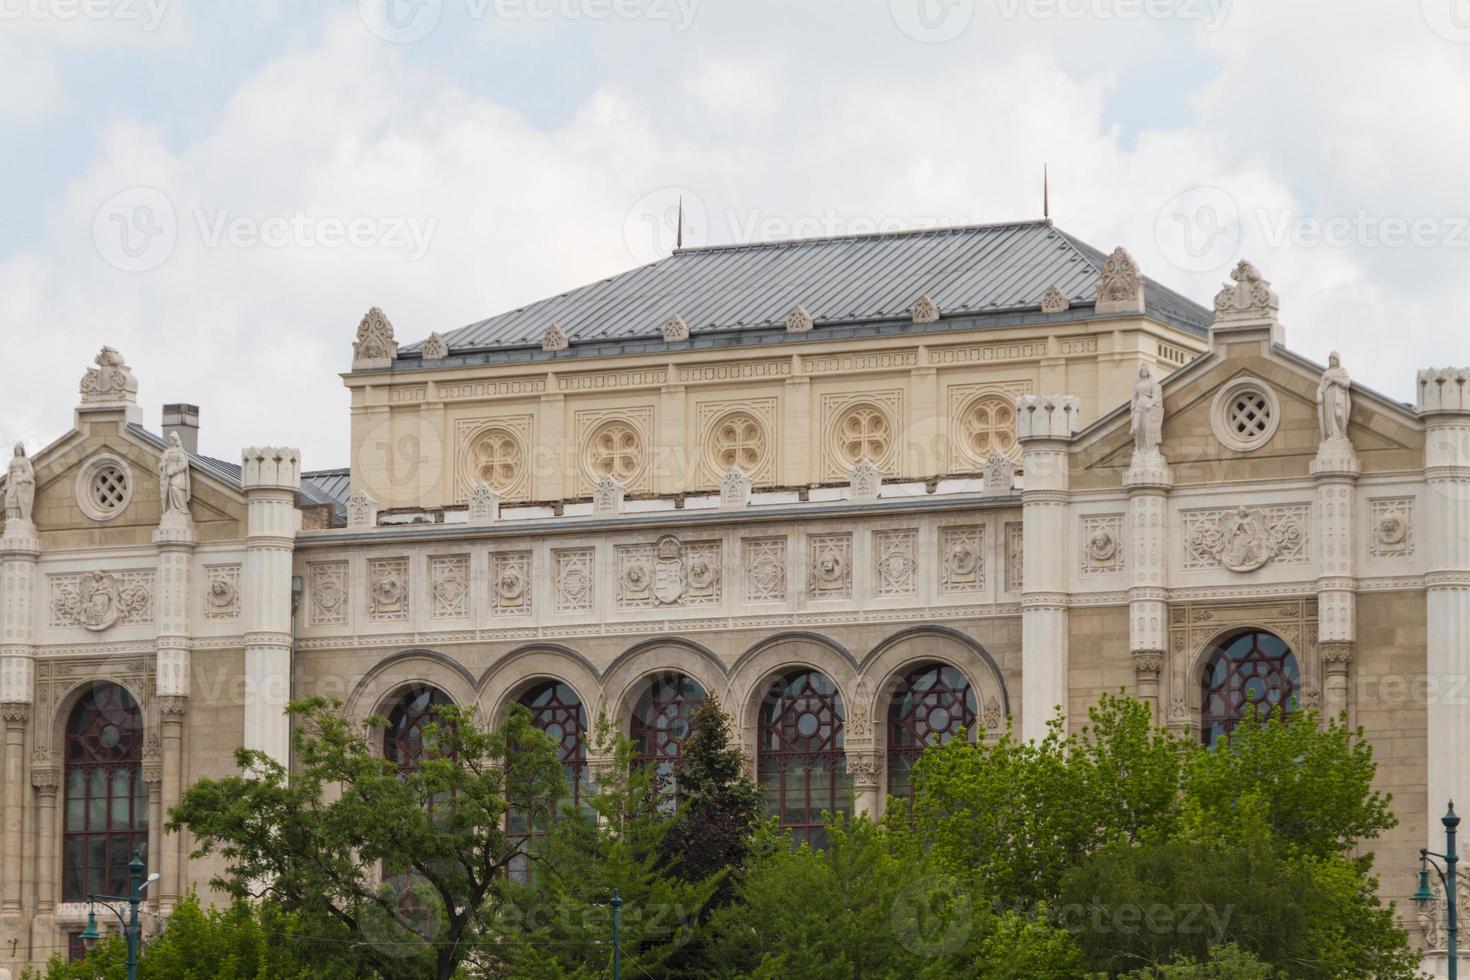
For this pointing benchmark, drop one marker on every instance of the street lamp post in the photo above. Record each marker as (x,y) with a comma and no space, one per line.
(617,923)
(1451,820)
(131,929)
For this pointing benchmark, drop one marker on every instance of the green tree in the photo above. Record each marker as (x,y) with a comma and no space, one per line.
(316,844)
(558,924)
(1228,962)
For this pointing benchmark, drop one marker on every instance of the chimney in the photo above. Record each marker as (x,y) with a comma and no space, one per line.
(183,419)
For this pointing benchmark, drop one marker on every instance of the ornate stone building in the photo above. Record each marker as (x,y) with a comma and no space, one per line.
(870,491)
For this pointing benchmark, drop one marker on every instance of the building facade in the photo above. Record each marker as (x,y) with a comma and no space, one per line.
(870,491)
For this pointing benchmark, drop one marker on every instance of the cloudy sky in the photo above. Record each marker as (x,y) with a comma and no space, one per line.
(221,190)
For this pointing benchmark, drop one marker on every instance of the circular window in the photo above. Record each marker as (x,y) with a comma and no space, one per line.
(863,432)
(738,439)
(615,449)
(495,458)
(104,488)
(1245,415)
(988,425)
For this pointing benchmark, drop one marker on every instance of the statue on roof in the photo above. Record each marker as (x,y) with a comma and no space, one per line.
(110,381)
(1148,413)
(1334,400)
(173,477)
(20,486)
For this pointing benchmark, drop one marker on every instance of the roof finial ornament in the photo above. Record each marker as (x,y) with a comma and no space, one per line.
(925,310)
(679,235)
(676,329)
(1120,284)
(798,320)
(1054,300)
(555,338)
(1251,298)
(435,348)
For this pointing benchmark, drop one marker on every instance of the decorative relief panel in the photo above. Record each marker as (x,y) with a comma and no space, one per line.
(831,566)
(327,582)
(735,370)
(1024,350)
(388,590)
(1245,539)
(982,420)
(738,434)
(1392,532)
(857,426)
(765,569)
(573,579)
(221,591)
(875,361)
(668,573)
(493,451)
(615,443)
(895,562)
(1015,557)
(962,559)
(449,586)
(510,583)
(613,380)
(1102,544)
(98,600)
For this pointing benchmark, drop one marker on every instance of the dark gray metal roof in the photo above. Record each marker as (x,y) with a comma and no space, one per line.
(971,273)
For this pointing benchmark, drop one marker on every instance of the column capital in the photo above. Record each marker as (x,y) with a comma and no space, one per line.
(1335,460)
(863,768)
(1336,656)
(20,539)
(46,780)
(15,713)
(173,707)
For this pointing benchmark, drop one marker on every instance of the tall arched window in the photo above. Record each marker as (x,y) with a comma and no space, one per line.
(557,711)
(662,721)
(403,739)
(1254,670)
(800,758)
(934,704)
(106,799)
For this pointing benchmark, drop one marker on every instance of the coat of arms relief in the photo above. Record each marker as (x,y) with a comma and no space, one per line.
(668,573)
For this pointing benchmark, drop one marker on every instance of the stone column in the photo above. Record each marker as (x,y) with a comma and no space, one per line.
(1444,404)
(1044,426)
(271,478)
(167,787)
(175,540)
(1335,470)
(1148,481)
(20,551)
(46,782)
(864,765)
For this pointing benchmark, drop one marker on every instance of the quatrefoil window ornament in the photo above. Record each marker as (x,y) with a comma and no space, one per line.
(496,459)
(863,432)
(616,450)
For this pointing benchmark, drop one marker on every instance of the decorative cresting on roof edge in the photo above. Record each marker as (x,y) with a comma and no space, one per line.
(375,346)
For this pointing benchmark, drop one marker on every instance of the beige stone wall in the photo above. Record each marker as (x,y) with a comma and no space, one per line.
(1099,660)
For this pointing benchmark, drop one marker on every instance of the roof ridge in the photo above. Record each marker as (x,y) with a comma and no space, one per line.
(862,236)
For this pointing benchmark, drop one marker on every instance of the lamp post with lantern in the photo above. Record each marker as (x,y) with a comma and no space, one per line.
(131,929)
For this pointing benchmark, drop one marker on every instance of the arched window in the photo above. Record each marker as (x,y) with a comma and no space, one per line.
(662,721)
(934,704)
(403,739)
(557,711)
(106,799)
(1250,670)
(800,758)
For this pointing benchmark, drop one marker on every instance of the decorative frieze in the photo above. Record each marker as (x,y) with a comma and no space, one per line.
(1244,539)
(613,380)
(327,584)
(449,586)
(1392,527)
(875,361)
(222,592)
(1015,557)
(1102,544)
(962,559)
(895,563)
(668,573)
(734,371)
(388,591)
(765,569)
(1020,350)
(98,600)
(455,391)
(510,583)
(831,566)
(573,579)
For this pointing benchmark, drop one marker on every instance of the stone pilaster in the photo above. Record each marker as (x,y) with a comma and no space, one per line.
(166,788)
(17,719)
(271,478)
(1335,470)
(20,551)
(1444,404)
(865,766)
(47,781)
(1148,481)
(1044,426)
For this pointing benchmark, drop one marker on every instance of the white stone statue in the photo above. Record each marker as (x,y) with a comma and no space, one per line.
(1148,413)
(20,486)
(173,477)
(1334,401)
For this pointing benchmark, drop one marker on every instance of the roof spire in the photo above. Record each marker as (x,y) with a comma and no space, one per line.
(679,237)
(1045,194)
